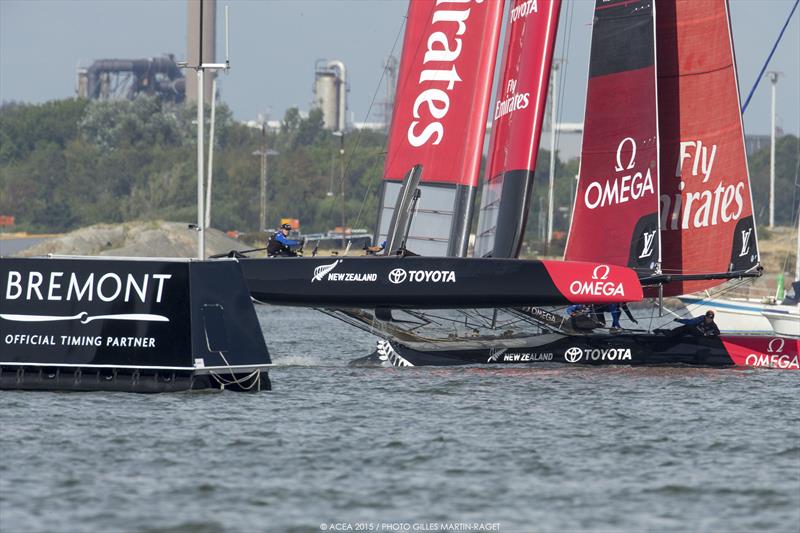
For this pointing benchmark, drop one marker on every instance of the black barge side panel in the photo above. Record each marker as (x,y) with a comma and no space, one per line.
(127,324)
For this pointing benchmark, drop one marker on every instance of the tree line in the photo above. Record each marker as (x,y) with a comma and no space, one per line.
(72,163)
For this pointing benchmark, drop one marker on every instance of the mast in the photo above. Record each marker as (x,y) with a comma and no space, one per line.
(553,105)
(201,67)
(201,234)
(207,222)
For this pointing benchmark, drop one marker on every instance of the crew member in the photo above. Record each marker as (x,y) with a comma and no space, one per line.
(598,313)
(616,312)
(374,250)
(280,244)
(575,309)
(703,326)
(580,317)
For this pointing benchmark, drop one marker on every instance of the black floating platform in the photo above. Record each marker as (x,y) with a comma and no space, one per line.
(138,325)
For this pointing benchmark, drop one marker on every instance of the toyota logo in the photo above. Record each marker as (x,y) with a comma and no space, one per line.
(601,272)
(398,275)
(573,355)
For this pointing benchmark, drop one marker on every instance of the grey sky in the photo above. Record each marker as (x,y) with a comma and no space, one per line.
(274,45)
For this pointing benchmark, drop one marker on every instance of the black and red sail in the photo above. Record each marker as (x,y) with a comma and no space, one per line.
(706,207)
(664,185)
(616,205)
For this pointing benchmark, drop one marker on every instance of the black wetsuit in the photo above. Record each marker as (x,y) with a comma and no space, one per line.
(697,327)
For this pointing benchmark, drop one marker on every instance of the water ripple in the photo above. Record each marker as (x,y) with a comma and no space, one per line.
(551,448)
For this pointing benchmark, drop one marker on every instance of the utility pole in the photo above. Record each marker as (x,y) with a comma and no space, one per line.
(797,252)
(263,153)
(340,134)
(773,77)
(341,177)
(262,219)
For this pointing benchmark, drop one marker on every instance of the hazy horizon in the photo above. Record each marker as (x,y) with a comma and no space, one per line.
(274,45)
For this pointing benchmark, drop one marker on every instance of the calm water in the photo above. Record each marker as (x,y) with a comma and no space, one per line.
(546,448)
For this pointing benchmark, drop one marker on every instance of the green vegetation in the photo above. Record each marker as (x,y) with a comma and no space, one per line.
(72,163)
(564,189)
(787,191)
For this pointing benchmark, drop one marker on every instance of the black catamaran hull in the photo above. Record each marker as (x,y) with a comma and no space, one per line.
(435,282)
(624,349)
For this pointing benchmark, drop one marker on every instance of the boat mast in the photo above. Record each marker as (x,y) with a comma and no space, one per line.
(201,235)
(207,223)
(553,104)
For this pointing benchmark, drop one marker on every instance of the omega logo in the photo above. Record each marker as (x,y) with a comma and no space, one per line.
(771,346)
(605,269)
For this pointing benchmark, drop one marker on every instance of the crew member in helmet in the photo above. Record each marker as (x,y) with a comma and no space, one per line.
(374,250)
(280,244)
(703,326)
(581,317)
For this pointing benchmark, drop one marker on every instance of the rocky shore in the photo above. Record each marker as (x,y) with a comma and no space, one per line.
(135,239)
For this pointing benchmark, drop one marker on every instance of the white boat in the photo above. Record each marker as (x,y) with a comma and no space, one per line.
(751,315)
(747,315)
(785,319)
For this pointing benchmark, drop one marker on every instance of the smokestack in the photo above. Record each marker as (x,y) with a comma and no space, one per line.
(209,8)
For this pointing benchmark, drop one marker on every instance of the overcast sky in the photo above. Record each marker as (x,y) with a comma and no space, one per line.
(275,43)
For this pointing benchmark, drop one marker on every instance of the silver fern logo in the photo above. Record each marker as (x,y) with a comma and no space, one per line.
(495,355)
(321,271)
(388,355)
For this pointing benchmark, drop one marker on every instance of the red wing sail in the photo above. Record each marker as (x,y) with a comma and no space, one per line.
(439,118)
(516,128)
(615,219)
(706,207)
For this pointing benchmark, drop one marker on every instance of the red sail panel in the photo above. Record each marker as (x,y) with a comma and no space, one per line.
(706,206)
(517,124)
(521,96)
(443,90)
(439,119)
(615,219)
